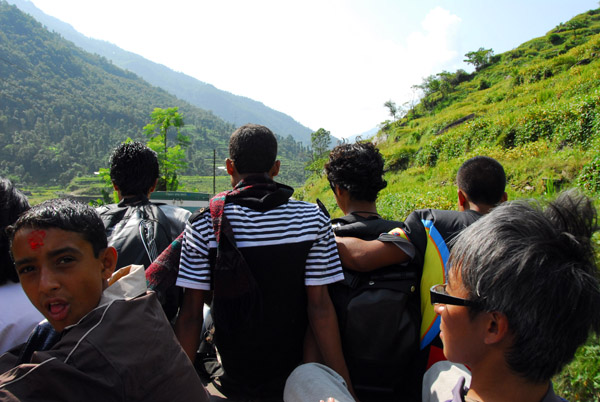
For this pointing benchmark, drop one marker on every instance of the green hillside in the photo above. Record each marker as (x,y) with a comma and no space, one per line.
(62,110)
(535,108)
(232,108)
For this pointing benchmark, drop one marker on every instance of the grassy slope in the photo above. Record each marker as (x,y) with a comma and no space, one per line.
(539,116)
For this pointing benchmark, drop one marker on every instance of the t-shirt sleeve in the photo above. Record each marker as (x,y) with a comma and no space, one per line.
(398,238)
(194,266)
(323,264)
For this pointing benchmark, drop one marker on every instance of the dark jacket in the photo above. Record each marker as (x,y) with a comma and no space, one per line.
(123,350)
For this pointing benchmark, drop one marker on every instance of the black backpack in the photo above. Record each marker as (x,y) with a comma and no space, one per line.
(379,318)
(139,232)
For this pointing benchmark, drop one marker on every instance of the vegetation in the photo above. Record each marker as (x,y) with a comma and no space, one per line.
(234,109)
(171,159)
(63,110)
(536,109)
(320,144)
(538,112)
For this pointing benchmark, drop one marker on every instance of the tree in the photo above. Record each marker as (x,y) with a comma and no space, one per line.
(480,58)
(170,159)
(392,108)
(430,85)
(320,141)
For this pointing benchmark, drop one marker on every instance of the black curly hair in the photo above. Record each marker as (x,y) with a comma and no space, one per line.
(133,168)
(357,168)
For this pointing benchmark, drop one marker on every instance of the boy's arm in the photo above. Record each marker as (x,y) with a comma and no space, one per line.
(323,322)
(188,327)
(362,255)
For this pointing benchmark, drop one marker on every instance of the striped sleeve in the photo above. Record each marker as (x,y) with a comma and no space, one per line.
(323,264)
(194,266)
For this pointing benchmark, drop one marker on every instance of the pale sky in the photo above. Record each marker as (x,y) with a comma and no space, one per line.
(326,63)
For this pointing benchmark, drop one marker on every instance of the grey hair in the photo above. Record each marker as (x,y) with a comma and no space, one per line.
(536,265)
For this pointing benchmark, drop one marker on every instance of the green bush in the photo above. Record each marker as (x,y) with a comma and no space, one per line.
(555,39)
(401,159)
(589,177)
(580,379)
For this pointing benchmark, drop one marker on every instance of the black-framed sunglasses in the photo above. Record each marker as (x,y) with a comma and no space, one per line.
(439,295)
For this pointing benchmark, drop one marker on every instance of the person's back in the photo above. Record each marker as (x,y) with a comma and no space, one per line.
(139,229)
(275,245)
(377,309)
(136,227)
(429,232)
(106,337)
(263,255)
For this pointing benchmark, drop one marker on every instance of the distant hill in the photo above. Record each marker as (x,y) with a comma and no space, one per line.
(232,108)
(62,110)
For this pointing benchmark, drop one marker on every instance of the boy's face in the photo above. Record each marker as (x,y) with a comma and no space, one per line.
(60,274)
(462,335)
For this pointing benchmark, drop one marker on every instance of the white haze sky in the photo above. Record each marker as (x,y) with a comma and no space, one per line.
(326,63)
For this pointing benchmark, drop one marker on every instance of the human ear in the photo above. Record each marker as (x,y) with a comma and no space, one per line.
(463,202)
(497,327)
(274,171)
(108,258)
(229,167)
(153,186)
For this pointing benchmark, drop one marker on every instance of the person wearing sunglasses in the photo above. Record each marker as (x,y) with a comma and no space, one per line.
(520,297)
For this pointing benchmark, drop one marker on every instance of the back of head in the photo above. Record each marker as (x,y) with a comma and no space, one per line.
(67,215)
(357,168)
(537,267)
(12,203)
(253,149)
(483,180)
(133,168)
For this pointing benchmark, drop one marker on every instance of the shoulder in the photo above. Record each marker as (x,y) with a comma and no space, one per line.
(306,208)
(200,215)
(105,208)
(122,321)
(175,213)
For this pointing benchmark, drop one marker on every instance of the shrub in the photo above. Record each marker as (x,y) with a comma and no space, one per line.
(401,159)
(555,39)
(580,379)
(589,177)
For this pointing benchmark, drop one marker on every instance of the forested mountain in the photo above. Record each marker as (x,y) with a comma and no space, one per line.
(232,108)
(62,110)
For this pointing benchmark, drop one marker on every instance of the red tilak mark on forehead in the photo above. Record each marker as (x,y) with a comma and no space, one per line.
(36,239)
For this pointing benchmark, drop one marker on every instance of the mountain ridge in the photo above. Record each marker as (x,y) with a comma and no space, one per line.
(233,108)
(62,110)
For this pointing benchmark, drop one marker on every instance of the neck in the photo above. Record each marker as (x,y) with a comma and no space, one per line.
(502,385)
(362,208)
(481,208)
(235,179)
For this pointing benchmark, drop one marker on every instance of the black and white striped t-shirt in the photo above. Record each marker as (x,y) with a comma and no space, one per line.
(295,232)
